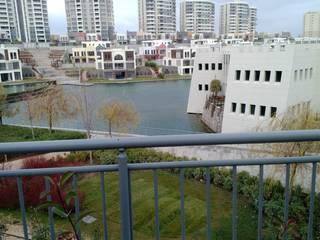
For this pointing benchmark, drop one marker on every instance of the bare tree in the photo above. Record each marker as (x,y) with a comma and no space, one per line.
(54,104)
(303,119)
(119,115)
(86,109)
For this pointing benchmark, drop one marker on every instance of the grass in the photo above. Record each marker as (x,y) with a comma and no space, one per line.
(143,209)
(23,134)
(139,79)
(169,206)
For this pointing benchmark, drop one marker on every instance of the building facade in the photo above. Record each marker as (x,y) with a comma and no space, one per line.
(311,25)
(90,17)
(25,20)
(197,16)
(88,52)
(154,50)
(116,63)
(259,82)
(237,18)
(10,65)
(157,16)
(182,58)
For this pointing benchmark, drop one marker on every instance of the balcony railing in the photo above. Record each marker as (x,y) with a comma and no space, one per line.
(124,170)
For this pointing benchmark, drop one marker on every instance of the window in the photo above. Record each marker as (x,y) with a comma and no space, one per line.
(257,76)
(267,76)
(311,73)
(278,76)
(247,75)
(213,66)
(306,74)
(200,66)
(220,66)
(234,107)
(273,112)
(301,75)
(200,87)
(243,108)
(238,75)
(207,66)
(262,111)
(296,75)
(252,109)
(206,87)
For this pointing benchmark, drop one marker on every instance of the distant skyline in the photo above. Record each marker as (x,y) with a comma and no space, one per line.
(273,15)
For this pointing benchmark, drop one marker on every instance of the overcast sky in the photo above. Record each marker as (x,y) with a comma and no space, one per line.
(273,15)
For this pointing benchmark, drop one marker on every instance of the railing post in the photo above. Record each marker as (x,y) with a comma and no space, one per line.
(125,205)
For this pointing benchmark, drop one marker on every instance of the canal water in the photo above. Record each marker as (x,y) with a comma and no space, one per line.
(161,105)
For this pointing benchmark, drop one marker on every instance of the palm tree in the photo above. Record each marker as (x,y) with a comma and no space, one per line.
(215,87)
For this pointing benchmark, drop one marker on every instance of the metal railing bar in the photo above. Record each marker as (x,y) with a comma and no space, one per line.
(234,202)
(104,206)
(156,204)
(182,210)
(50,212)
(125,212)
(223,163)
(77,203)
(260,202)
(61,170)
(209,202)
(130,204)
(286,202)
(161,141)
(312,196)
(22,208)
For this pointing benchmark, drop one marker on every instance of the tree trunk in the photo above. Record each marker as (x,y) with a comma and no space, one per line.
(1,121)
(110,129)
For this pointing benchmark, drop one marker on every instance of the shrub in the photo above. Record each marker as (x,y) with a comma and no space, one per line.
(33,186)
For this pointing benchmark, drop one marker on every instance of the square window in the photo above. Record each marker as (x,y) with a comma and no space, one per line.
(267,76)
(278,76)
(252,109)
(200,66)
(296,75)
(220,66)
(262,111)
(200,87)
(207,66)
(273,112)
(247,75)
(257,76)
(213,66)
(238,75)
(243,108)
(206,87)
(234,107)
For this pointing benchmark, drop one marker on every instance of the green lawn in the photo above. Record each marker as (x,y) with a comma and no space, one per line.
(143,209)
(22,134)
(169,205)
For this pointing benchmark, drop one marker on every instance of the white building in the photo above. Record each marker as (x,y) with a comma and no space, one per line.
(10,65)
(25,20)
(116,63)
(311,24)
(197,16)
(237,18)
(90,17)
(182,58)
(157,16)
(154,50)
(87,53)
(258,82)
(203,42)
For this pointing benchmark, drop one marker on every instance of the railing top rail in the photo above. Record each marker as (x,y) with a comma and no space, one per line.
(161,141)
(161,165)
